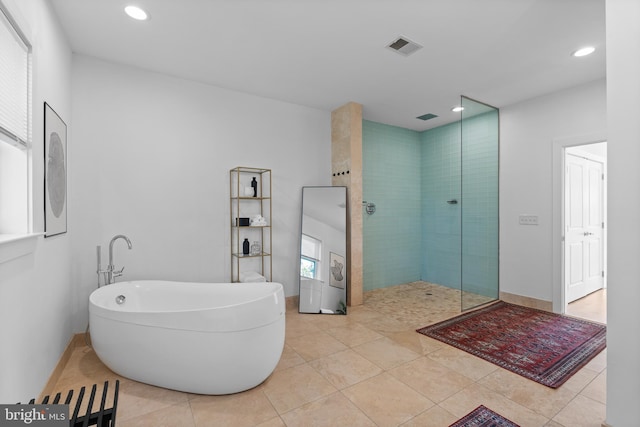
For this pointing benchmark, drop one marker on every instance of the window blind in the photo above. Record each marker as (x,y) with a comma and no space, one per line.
(14,83)
(310,247)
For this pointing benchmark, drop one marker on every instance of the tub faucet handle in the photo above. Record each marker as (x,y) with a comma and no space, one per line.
(118,273)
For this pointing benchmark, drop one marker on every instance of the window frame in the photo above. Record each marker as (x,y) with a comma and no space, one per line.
(7,135)
(17,237)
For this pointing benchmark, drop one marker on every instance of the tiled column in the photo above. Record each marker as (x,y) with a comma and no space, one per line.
(346,166)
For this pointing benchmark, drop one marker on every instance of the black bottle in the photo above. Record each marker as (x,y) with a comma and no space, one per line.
(245,247)
(254,184)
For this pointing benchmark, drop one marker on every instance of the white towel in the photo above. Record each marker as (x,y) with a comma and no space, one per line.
(251,277)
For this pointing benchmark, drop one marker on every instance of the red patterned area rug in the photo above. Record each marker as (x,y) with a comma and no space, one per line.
(545,347)
(483,417)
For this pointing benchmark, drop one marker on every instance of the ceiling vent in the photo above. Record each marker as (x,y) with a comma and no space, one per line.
(427,116)
(404,46)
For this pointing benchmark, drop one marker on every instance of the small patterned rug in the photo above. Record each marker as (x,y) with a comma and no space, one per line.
(483,417)
(545,347)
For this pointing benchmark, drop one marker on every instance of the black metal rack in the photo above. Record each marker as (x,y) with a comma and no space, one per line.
(103,417)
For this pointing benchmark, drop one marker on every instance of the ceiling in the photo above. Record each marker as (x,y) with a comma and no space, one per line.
(326,205)
(325,53)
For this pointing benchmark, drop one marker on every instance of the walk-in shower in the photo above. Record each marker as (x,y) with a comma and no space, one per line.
(436,197)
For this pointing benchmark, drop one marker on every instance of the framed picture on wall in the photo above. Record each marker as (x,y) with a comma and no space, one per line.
(55,173)
(337,271)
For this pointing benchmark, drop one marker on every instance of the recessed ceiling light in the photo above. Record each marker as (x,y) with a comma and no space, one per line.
(136,13)
(457,109)
(584,51)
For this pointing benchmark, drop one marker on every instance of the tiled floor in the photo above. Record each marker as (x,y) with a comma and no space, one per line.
(592,307)
(369,368)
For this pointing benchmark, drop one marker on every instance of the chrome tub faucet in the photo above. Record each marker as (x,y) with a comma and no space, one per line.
(111,273)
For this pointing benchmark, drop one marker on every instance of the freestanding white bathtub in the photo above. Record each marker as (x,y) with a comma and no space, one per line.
(206,338)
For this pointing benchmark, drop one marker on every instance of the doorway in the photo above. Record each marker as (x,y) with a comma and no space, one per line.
(584,229)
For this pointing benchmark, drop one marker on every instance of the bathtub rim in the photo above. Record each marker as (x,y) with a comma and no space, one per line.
(248,314)
(92,296)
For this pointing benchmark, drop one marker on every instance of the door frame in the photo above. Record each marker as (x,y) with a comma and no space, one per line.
(558,196)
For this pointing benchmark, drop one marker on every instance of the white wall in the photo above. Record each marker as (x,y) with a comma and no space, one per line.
(152,161)
(623,315)
(35,309)
(529,131)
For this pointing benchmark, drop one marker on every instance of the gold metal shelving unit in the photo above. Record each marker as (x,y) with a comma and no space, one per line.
(243,205)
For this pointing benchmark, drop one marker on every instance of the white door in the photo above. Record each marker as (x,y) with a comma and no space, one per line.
(584,257)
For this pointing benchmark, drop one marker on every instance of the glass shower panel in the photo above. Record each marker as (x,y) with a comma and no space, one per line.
(479,132)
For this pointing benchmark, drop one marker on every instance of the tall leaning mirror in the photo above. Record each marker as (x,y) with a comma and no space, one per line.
(323,251)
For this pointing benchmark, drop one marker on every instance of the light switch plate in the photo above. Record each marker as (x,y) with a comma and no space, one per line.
(528,219)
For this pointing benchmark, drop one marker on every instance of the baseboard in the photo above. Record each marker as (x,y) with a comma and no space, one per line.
(76,341)
(527,301)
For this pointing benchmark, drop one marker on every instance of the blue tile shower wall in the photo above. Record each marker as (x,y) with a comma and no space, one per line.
(441,228)
(418,235)
(391,180)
